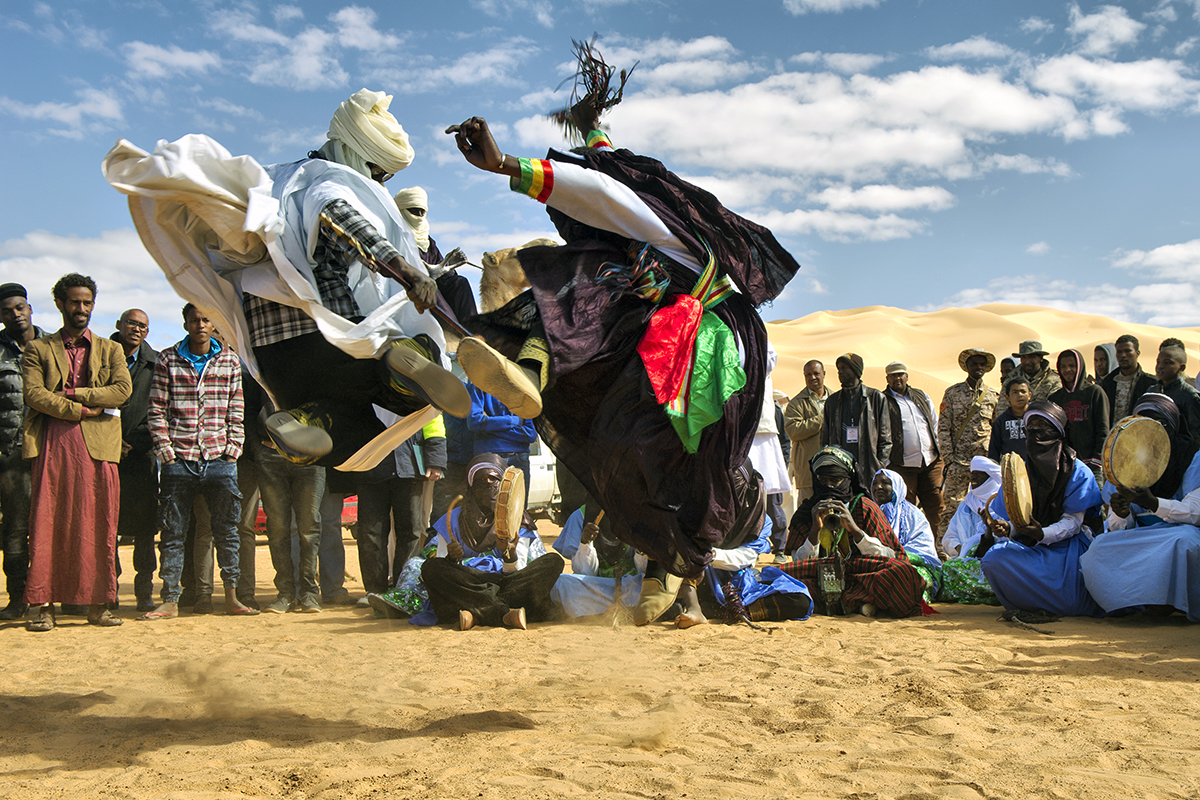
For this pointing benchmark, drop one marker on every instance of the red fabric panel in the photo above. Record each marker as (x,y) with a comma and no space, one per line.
(666,348)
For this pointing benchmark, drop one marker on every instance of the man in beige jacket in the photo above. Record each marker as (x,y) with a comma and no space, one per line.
(802,422)
(74,382)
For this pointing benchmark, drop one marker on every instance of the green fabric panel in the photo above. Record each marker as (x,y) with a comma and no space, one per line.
(716,376)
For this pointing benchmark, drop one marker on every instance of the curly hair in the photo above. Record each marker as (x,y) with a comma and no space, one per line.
(71,280)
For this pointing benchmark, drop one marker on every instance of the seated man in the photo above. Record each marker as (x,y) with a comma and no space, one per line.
(732,589)
(911,527)
(962,574)
(1150,557)
(478,578)
(599,563)
(1035,568)
(840,523)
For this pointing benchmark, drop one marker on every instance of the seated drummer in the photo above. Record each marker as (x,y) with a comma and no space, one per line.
(1035,567)
(478,578)
(599,563)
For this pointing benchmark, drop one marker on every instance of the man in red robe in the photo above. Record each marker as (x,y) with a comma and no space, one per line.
(74,382)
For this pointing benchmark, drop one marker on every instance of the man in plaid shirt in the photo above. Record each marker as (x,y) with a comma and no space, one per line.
(195,419)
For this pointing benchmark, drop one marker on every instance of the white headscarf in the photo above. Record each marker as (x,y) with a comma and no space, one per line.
(977,497)
(415,197)
(362,130)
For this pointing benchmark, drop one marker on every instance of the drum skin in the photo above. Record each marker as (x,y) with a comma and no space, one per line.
(510,507)
(1018,499)
(1136,453)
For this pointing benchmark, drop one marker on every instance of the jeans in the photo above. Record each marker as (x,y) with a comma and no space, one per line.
(15,492)
(290,491)
(180,482)
(332,567)
(398,501)
(247,537)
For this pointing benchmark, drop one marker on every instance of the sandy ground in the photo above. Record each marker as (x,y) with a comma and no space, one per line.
(340,705)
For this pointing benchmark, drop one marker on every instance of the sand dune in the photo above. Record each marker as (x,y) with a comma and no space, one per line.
(929,343)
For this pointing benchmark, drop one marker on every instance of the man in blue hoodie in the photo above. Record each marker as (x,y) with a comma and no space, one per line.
(497,430)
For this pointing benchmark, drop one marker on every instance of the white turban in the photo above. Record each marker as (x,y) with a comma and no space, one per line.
(415,197)
(363,130)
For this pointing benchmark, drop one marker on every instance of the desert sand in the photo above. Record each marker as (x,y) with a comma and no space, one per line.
(341,705)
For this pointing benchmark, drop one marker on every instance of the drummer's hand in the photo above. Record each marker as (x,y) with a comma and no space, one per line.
(1119,504)
(1030,534)
(998,528)
(454,550)
(1142,496)
(590,531)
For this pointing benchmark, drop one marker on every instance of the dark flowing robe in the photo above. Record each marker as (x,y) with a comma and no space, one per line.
(601,417)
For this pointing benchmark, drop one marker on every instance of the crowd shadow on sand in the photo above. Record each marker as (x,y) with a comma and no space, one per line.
(54,729)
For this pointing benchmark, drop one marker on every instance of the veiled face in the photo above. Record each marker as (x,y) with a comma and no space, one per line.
(978,478)
(485,488)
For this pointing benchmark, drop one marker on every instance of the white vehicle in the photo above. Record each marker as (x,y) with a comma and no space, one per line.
(544,497)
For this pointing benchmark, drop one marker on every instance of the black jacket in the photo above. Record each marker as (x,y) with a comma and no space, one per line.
(12,396)
(1142,383)
(926,405)
(874,431)
(134,429)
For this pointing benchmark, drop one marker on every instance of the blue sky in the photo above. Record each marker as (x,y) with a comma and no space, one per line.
(915,154)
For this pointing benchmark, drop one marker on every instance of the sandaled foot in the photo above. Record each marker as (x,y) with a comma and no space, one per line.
(235,608)
(297,435)
(99,615)
(43,622)
(509,383)
(658,594)
(515,619)
(466,620)
(411,364)
(164,611)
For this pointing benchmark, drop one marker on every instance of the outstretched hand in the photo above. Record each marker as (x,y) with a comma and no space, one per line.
(475,142)
(1142,496)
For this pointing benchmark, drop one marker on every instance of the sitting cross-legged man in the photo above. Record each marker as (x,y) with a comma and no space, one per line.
(840,530)
(605,574)
(480,578)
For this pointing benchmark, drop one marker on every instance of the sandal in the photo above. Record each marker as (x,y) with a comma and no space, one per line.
(105,620)
(44,621)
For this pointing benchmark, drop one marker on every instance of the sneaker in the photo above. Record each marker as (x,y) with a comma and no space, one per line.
(203,605)
(282,605)
(781,558)
(14,610)
(343,599)
(415,369)
(145,604)
(362,602)
(509,383)
(384,607)
(298,434)
(309,605)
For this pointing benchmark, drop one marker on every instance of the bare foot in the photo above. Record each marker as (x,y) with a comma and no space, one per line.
(163,611)
(515,619)
(690,619)
(235,607)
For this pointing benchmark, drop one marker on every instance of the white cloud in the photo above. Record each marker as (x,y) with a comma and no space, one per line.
(1175,261)
(1148,84)
(845,63)
(1105,32)
(287,13)
(884,198)
(798,7)
(1037,25)
(1025,164)
(95,111)
(1164,12)
(308,64)
(540,10)
(1186,46)
(840,226)
(292,140)
(1038,249)
(356,29)
(979,47)
(151,61)
(223,106)
(125,275)
(495,66)
(816,287)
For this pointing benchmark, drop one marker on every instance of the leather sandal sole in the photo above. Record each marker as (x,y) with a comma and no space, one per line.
(295,438)
(493,373)
(441,387)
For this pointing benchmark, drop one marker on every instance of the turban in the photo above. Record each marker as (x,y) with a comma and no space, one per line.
(485,461)
(1049,411)
(415,197)
(12,290)
(363,130)
(854,360)
(832,456)
(1163,409)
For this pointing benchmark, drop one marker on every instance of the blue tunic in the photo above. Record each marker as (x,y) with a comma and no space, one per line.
(1046,577)
(1154,563)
